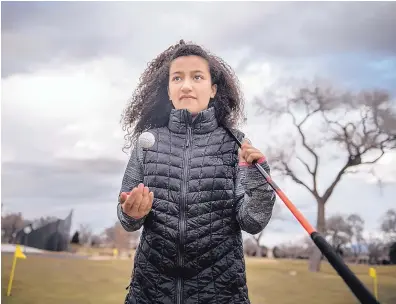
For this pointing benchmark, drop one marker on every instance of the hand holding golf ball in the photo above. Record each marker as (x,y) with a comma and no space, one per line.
(138,202)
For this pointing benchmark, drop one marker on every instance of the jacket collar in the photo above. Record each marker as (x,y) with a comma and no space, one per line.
(204,122)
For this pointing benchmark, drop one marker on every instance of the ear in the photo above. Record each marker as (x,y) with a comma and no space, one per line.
(214,91)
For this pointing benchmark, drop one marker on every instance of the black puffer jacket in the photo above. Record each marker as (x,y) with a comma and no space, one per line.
(191,245)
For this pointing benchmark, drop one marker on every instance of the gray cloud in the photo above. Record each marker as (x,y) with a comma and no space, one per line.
(60,180)
(317,28)
(33,33)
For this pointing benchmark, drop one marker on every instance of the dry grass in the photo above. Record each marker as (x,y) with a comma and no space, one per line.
(272,283)
(45,280)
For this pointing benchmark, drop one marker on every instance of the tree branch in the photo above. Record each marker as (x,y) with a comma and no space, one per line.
(258,237)
(305,164)
(375,160)
(330,190)
(304,142)
(290,173)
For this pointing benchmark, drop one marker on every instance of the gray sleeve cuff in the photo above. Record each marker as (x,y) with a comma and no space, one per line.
(255,199)
(127,222)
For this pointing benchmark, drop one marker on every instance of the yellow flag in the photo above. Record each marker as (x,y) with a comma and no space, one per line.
(18,253)
(372,272)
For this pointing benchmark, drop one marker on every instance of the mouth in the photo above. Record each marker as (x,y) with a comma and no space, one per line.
(187,96)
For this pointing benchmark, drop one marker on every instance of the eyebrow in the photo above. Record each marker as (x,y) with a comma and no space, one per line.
(195,71)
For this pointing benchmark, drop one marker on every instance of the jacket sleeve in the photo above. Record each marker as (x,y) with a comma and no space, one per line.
(133,176)
(255,197)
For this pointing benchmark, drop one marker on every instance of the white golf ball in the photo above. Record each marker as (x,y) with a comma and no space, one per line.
(146,140)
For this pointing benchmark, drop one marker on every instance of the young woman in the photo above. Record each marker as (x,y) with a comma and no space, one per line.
(193,190)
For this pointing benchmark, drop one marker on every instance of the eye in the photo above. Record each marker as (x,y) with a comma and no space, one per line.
(198,77)
(176,78)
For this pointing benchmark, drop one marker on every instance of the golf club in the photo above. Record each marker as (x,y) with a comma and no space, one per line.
(356,286)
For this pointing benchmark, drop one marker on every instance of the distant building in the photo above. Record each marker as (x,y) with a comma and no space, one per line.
(52,236)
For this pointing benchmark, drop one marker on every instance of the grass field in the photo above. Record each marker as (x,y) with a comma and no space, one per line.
(45,280)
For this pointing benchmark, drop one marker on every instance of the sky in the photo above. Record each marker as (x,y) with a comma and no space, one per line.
(68,69)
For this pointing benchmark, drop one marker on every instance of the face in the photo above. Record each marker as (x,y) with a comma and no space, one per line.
(190,84)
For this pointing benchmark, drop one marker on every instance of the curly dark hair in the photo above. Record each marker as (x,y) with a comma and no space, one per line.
(150,106)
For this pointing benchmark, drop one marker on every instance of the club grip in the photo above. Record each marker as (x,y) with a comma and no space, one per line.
(359,290)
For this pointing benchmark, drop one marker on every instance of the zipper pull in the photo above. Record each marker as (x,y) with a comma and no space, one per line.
(188,136)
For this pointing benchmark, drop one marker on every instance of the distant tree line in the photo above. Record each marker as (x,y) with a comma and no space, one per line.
(345,234)
(114,237)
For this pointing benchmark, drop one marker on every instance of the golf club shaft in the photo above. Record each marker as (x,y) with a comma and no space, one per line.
(354,284)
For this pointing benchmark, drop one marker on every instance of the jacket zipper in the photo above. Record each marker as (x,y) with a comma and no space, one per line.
(182,222)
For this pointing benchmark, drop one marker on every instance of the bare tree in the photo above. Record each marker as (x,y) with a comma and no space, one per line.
(96,240)
(392,253)
(360,127)
(11,224)
(388,226)
(293,249)
(278,253)
(356,224)
(338,231)
(376,249)
(251,248)
(119,238)
(85,234)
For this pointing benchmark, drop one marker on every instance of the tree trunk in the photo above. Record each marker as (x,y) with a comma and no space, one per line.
(316,255)
(258,252)
(258,248)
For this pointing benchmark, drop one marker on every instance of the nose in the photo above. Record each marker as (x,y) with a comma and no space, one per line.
(186,87)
